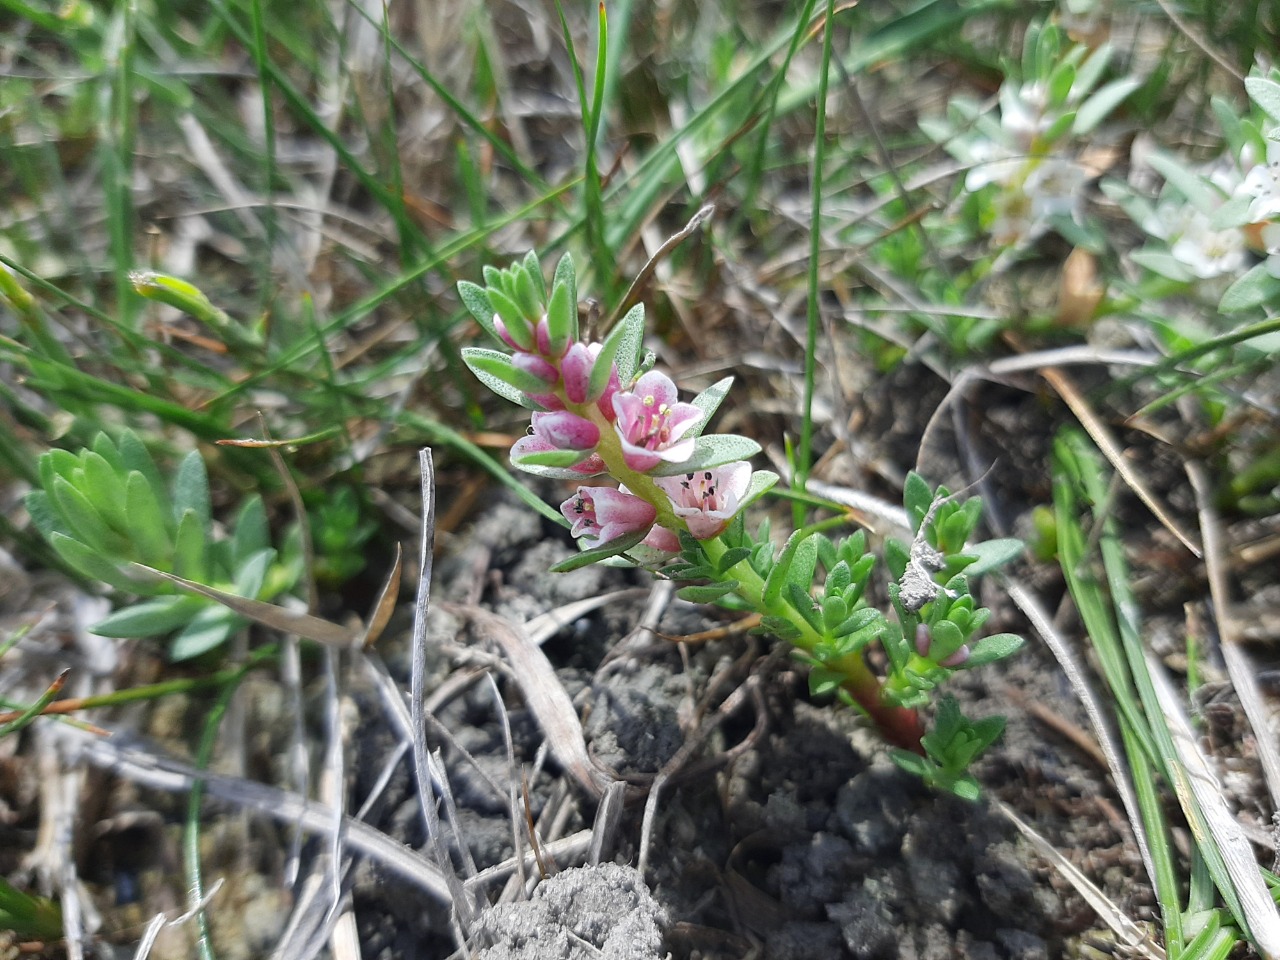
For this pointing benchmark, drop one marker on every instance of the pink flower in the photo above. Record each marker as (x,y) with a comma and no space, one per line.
(576,366)
(708,499)
(662,540)
(652,423)
(561,431)
(601,514)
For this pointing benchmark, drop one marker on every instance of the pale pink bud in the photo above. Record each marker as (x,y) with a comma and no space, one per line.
(540,368)
(566,430)
(576,370)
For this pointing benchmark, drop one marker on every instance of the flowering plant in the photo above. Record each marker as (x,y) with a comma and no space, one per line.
(677,500)
(1022,163)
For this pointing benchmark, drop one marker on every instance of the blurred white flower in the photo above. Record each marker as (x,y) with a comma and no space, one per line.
(1207,252)
(1263,184)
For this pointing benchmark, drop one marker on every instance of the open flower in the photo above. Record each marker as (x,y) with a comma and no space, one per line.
(653,424)
(1263,184)
(706,500)
(601,514)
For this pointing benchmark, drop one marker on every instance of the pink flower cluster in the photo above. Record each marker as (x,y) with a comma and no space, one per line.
(653,427)
(593,416)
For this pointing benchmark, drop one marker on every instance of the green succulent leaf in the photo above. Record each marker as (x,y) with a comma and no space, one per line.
(152,618)
(250,535)
(824,682)
(709,593)
(993,648)
(189,554)
(917,498)
(104,487)
(209,629)
(477,303)
(803,604)
(149,524)
(1266,94)
(1254,289)
(496,371)
(562,459)
(732,557)
(527,295)
(562,318)
(610,549)
(708,401)
(83,521)
(91,563)
(711,451)
(41,510)
(533,270)
(135,456)
(107,450)
(191,489)
(630,330)
(512,315)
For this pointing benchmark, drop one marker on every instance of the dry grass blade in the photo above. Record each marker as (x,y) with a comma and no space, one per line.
(385,605)
(1133,936)
(162,773)
(268,614)
(417,691)
(1196,784)
(545,695)
(1241,672)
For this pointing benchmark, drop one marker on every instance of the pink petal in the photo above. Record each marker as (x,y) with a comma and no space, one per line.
(601,514)
(567,431)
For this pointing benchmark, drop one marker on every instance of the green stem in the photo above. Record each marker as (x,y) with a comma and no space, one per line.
(898,725)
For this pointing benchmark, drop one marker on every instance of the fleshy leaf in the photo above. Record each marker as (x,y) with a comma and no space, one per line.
(91,564)
(208,629)
(567,274)
(611,549)
(712,451)
(993,648)
(993,554)
(556,473)
(496,371)
(250,535)
(149,525)
(1252,290)
(709,593)
(82,519)
(105,490)
(631,330)
(533,268)
(615,344)
(761,482)
(477,303)
(512,315)
(135,455)
(708,401)
(552,458)
(562,318)
(189,548)
(1266,94)
(150,619)
(191,489)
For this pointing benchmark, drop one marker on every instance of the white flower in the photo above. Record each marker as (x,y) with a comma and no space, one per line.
(1206,252)
(1263,184)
